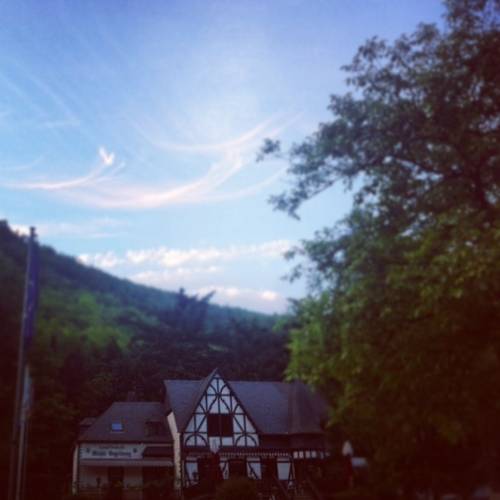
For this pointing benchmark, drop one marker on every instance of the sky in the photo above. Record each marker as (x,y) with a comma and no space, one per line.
(129,131)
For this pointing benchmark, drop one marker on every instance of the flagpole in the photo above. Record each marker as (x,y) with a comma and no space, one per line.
(16,454)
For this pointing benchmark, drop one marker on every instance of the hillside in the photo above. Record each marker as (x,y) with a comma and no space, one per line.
(98,337)
(95,303)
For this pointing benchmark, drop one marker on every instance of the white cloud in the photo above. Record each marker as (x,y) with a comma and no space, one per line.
(168,257)
(269,295)
(173,278)
(21,229)
(106,260)
(263,300)
(198,270)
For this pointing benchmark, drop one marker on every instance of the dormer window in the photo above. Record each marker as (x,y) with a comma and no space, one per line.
(116,427)
(219,425)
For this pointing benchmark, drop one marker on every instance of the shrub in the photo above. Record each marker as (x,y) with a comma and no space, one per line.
(354,494)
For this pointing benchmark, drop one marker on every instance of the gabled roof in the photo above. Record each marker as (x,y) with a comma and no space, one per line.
(274,407)
(184,396)
(308,410)
(267,404)
(134,417)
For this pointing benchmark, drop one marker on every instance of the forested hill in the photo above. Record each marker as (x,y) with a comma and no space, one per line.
(86,296)
(98,337)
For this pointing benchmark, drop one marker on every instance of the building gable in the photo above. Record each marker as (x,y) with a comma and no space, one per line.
(219,419)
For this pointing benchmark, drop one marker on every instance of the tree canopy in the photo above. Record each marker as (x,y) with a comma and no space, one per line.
(402,327)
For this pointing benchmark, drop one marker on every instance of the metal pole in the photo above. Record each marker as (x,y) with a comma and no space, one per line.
(25,426)
(15,452)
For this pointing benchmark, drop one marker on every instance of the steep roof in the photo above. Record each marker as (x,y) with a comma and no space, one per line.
(275,407)
(180,398)
(184,396)
(267,404)
(307,409)
(134,417)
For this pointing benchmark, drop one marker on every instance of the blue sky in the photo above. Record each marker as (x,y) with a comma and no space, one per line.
(129,130)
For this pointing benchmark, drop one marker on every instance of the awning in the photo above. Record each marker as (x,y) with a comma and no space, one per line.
(127,463)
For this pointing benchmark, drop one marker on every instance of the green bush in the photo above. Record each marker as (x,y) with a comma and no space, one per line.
(77,496)
(238,488)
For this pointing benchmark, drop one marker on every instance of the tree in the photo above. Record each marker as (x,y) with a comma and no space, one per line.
(189,313)
(404,313)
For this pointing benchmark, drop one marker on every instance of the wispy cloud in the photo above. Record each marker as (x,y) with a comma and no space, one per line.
(100,187)
(107,158)
(97,228)
(238,142)
(62,123)
(21,167)
(102,227)
(96,175)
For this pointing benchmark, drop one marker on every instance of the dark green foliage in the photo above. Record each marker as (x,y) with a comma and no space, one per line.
(238,487)
(99,337)
(402,326)
(357,494)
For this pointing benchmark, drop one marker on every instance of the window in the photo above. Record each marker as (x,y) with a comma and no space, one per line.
(116,427)
(269,468)
(219,425)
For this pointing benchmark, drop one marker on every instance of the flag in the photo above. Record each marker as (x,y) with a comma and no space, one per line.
(31,291)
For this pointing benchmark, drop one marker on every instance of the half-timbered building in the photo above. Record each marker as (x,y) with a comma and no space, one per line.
(216,429)
(126,447)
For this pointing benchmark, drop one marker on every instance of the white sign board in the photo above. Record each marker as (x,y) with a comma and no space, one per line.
(111,451)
